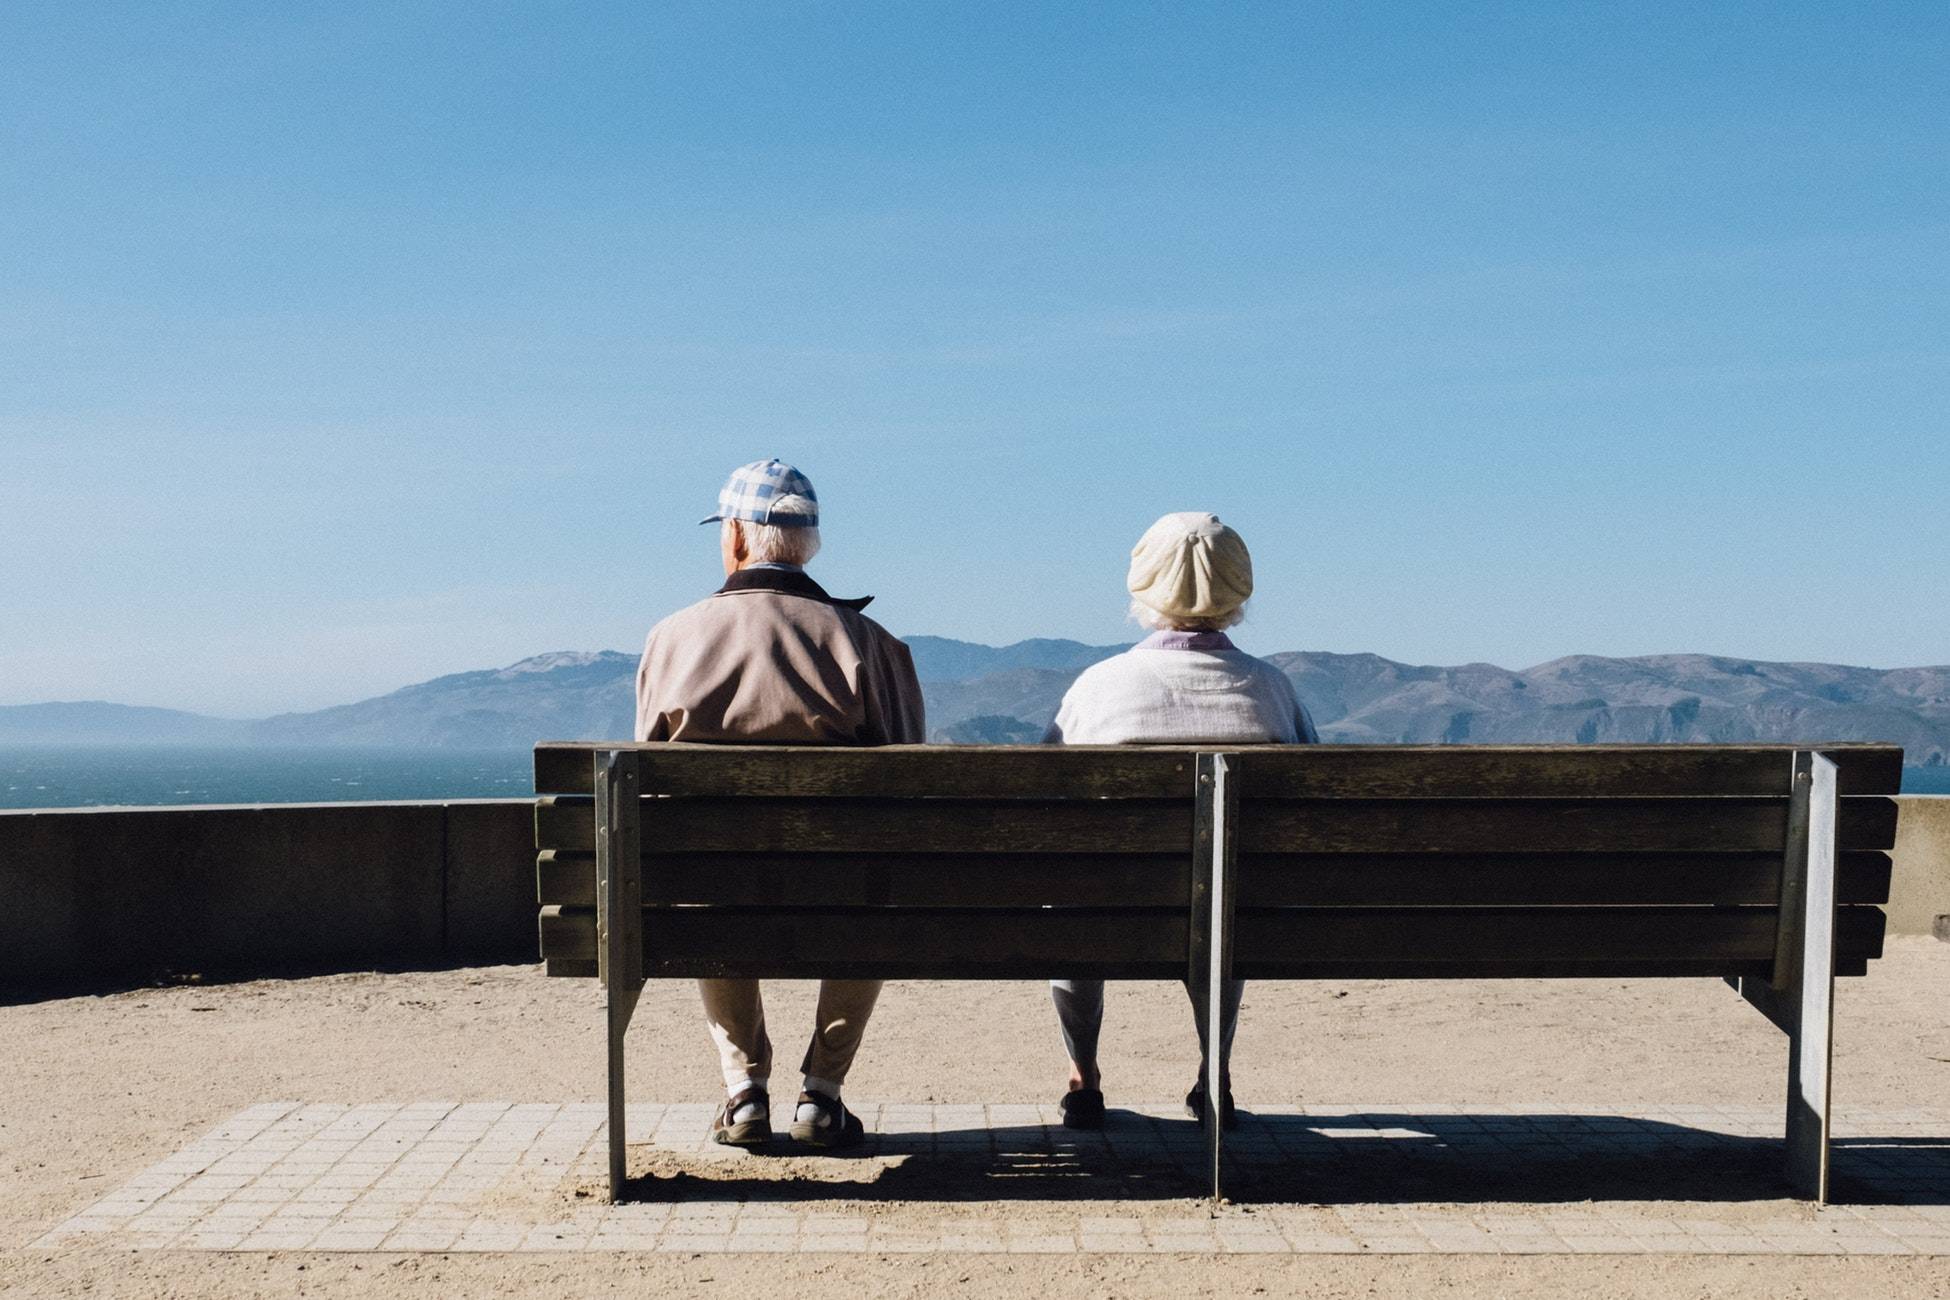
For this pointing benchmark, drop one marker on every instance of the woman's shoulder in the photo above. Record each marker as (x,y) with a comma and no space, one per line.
(1265,668)
(1119,667)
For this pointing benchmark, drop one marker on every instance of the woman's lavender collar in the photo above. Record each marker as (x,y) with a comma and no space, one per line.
(1210,642)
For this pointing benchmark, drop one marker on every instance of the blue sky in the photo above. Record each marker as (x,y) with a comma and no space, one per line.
(342,346)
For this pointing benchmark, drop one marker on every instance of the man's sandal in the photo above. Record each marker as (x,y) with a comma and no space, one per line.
(834,1126)
(729,1130)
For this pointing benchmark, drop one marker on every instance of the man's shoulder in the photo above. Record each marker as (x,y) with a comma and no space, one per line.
(758,608)
(704,611)
(872,629)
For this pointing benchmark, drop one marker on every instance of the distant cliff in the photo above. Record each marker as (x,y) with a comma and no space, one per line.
(567,695)
(96,722)
(1586,699)
(987,695)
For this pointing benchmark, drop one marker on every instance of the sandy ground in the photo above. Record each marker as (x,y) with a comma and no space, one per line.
(95,1088)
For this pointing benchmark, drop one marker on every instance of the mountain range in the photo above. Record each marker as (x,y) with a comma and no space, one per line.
(980,694)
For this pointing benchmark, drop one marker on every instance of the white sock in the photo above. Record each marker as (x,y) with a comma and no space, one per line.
(751,1110)
(809,1113)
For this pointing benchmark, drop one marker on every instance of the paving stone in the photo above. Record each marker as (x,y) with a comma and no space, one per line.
(1606,1245)
(423,1176)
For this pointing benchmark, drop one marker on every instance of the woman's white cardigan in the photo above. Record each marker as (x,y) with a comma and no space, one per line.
(1159,692)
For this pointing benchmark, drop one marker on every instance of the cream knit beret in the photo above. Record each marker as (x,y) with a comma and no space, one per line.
(1189,565)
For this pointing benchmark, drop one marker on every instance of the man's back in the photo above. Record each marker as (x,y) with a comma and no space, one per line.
(772,659)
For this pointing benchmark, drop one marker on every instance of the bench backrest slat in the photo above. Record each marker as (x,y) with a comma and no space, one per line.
(1619,879)
(885,879)
(905,826)
(568,878)
(798,943)
(766,825)
(1327,771)
(1148,943)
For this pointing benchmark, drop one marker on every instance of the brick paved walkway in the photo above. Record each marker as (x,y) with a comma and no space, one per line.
(434,1176)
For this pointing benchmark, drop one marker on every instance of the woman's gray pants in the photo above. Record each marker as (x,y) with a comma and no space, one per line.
(1080,1010)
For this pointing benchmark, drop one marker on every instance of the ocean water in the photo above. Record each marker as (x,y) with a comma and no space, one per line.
(48,776)
(1926,780)
(51,776)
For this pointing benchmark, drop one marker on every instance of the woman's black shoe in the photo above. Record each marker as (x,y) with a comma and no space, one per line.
(1082,1108)
(1195,1107)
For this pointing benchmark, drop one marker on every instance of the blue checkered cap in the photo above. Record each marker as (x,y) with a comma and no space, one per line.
(768,492)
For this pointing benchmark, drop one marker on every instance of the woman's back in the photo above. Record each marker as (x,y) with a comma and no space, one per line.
(1182,688)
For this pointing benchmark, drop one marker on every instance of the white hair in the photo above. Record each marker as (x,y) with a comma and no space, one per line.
(1145,616)
(774,544)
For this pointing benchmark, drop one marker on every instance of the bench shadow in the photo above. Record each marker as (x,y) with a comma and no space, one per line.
(1369,1158)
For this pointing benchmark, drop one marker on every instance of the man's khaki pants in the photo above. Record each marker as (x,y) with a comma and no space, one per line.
(736,1012)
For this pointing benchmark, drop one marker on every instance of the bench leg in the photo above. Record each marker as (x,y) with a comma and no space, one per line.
(1807,985)
(621,1005)
(619,926)
(1800,997)
(1215,816)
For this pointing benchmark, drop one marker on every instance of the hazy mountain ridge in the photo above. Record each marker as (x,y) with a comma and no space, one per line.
(1650,699)
(1008,694)
(570,693)
(941,659)
(97,722)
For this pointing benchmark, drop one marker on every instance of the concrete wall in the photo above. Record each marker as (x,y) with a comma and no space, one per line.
(1919,890)
(89,894)
(101,894)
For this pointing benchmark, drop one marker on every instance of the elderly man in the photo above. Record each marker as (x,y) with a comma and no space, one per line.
(1185,684)
(772,659)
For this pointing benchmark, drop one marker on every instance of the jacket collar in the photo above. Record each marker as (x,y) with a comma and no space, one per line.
(1212,642)
(787,582)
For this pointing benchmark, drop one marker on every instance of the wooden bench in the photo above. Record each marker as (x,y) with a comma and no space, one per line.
(1760,864)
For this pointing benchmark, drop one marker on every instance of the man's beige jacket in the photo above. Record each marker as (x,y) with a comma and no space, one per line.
(771,659)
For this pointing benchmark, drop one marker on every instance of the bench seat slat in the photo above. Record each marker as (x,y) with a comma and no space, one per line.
(1338,771)
(1264,880)
(1845,967)
(1150,943)
(1526,968)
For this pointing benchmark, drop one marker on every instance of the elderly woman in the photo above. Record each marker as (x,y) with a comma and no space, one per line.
(1186,683)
